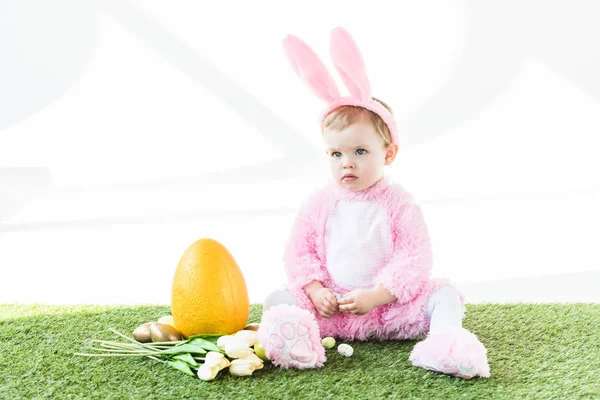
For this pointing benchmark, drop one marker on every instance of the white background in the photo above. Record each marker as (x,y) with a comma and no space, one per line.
(130,129)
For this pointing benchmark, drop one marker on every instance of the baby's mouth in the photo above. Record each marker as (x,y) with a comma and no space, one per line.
(349,178)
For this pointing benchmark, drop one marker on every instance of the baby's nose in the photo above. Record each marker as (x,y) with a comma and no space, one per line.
(348,163)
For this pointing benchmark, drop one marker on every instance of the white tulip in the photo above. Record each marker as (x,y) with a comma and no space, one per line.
(256,362)
(224,363)
(241,368)
(237,348)
(214,358)
(223,340)
(207,373)
(251,337)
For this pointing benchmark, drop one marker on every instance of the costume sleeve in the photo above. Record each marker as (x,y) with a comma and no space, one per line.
(302,262)
(407,273)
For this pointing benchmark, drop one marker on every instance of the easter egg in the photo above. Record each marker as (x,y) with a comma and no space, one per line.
(259,350)
(209,293)
(167,319)
(345,350)
(328,342)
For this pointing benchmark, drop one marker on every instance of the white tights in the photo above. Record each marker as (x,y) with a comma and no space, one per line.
(443,307)
(278,297)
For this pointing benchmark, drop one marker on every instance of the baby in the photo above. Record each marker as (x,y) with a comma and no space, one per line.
(359,257)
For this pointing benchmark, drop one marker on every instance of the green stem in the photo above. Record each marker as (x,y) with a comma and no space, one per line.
(130,339)
(115,355)
(170,344)
(139,344)
(140,352)
(116,344)
(125,346)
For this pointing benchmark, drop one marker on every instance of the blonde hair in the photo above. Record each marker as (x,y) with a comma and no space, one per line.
(344,116)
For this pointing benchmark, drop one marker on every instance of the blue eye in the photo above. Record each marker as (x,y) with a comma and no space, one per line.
(336,154)
(360,152)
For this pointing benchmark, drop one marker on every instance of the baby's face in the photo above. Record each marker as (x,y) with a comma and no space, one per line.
(357,155)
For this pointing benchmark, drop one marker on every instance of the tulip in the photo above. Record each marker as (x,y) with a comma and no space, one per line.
(224,363)
(213,363)
(256,362)
(223,340)
(241,368)
(214,358)
(248,336)
(236,348)
(207,373)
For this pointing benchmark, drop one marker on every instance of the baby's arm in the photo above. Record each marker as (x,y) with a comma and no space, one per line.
(323,299)
(407,273)
(361,301)
(302,263)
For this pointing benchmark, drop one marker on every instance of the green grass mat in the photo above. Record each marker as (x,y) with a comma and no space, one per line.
(535,352)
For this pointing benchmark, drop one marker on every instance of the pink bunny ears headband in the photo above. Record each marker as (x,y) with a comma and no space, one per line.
(349,63)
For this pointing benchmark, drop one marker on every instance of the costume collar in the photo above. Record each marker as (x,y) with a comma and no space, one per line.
(370,193)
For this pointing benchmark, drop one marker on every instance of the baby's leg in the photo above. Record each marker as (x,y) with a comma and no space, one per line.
(444,309)
(277,297)
(290,334)
(449,348)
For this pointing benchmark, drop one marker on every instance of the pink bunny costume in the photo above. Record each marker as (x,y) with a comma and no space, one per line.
(349,240)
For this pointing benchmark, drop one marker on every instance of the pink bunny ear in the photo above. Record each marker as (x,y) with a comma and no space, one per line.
(309,67)
(349,63)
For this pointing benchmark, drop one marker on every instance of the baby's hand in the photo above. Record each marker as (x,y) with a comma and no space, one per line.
(359,301)
(324,301)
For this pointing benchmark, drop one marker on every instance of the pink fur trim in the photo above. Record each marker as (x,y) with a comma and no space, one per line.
(310,69)
(407,278)
(349,63)
(370,105)
(457,352)
(291,338)
(408,272)
(304,257)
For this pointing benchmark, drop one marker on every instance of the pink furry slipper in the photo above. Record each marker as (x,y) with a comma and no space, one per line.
(291,338)
(457,352)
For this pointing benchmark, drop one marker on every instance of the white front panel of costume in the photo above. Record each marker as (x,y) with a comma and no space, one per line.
(358,243)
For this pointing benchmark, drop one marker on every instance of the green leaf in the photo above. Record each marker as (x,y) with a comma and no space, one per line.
(185,348)
(187,358)
(208,337)
(181,366)
(205,344)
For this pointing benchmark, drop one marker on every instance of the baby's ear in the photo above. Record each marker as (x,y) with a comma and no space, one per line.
(391,153)
(309,67)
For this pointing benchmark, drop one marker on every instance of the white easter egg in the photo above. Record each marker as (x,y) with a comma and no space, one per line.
(345,350)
